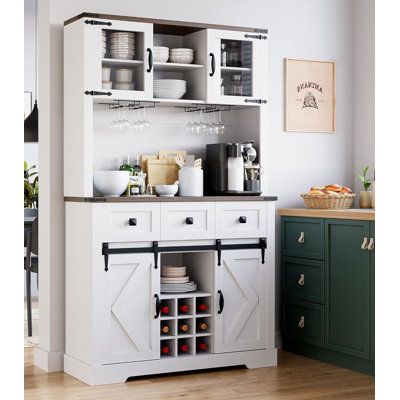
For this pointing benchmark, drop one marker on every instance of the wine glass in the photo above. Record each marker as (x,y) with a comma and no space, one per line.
(145,122)
(220,123)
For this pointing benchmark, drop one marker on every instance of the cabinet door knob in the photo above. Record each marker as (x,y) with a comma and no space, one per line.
(132,221)
(301,280)
(242,219)
(364,244)
(189,221)
(301,322)
(371,244)
(301,238)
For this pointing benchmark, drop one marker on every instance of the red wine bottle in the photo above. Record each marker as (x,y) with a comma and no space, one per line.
(164,310)
(184,348)
(202,307)
(202,346)
(184,308)
(164,349)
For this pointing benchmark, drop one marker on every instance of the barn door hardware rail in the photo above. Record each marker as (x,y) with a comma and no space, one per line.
(156,250)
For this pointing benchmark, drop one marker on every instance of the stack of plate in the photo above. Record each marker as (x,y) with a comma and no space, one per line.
(181,55)
(175,280)
(169,88)
(122,45)
(160,54)
(103,43)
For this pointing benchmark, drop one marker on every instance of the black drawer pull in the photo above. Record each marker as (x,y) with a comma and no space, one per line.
(150,60)
(158,306)
(242,219)
(212,64)
(221,302)
(132,221)
(189,221)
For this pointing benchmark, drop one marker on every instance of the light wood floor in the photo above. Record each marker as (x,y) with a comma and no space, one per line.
(296,378)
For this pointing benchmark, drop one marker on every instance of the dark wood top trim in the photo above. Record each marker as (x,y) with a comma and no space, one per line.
(192,26)
(176,199)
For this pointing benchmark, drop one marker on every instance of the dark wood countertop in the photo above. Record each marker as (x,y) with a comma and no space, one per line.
(145,199)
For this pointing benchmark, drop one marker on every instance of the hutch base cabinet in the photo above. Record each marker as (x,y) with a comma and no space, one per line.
(116,310)
(328,280)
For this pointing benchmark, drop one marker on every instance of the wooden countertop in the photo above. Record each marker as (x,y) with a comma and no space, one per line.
(144,199)
(366,214)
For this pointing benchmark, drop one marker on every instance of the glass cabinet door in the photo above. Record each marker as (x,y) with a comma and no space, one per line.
(235,67)
(118,59)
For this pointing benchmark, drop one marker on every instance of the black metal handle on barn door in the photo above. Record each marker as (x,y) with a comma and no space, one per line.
(158,306)
(221,302)
(212,64)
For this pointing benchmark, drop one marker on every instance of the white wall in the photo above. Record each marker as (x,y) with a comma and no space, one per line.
(315,29)
(364,81)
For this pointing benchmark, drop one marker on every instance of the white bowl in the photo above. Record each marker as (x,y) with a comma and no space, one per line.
(160,57)
(111,183)
(181,49)
(160,48)
(124,75)
(169,94)
(167,190)
(181,59)
(123,86)
(122,56)
(107,85)
(105,74)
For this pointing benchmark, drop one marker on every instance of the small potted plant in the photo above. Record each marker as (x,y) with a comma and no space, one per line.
(31,190)
(365,195)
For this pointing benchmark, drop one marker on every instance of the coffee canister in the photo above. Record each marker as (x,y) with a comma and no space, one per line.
(191,181)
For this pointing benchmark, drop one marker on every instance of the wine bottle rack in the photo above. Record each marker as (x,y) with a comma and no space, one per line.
(183,309)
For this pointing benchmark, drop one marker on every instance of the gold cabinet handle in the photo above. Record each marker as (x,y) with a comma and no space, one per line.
(364,244)
(301,280)
(301,238)
(301,322)
(371,244)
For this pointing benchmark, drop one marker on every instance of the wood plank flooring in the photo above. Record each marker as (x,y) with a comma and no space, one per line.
(296,378)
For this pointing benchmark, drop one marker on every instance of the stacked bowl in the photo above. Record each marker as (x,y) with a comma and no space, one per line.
(169,88)
(103,43)
(122,45)
(123,79)
(181,55)
(160,54)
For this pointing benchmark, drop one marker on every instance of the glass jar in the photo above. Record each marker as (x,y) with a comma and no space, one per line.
(236,85)
(233,55)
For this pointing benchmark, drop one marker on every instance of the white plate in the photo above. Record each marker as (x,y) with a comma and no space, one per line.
(183,279)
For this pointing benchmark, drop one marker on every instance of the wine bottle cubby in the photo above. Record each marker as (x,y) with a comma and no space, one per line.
(189,328)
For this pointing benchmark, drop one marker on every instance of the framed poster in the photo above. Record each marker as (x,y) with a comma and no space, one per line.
(27,103)
(310,96)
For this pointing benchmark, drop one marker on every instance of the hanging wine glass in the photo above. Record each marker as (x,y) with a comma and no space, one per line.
(145,122)
(220,123)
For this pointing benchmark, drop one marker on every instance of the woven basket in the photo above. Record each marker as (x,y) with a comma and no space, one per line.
(326,201)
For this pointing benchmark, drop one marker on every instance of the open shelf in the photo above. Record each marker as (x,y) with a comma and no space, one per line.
(175,67)
(121,63)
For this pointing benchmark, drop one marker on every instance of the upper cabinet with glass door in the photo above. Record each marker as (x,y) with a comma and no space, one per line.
(118,59)
(235,67)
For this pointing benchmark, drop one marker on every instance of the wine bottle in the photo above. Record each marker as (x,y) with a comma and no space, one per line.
(184,348)
(183,327)
(184,308)
(202,307)
(164,329)
(202,346)
(164,349)
(203,326)
(164,310)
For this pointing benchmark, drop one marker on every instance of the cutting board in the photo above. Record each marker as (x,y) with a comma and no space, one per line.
(170,154)
(162,172)
(144,158)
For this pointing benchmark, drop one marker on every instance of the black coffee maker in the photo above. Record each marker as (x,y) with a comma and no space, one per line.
(216,172)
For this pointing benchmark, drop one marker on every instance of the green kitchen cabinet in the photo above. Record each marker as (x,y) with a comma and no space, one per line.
(328,297)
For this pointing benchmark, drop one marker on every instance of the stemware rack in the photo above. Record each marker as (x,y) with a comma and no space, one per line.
(194,336)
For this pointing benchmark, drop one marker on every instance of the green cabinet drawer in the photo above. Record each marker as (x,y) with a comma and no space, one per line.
(303,279)
(303,237)
(303,321)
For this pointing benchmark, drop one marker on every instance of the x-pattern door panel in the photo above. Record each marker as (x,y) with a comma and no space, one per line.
(242,281)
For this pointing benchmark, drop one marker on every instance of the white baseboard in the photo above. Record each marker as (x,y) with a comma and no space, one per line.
(49,361)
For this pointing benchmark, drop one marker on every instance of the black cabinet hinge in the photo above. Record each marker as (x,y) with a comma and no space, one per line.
(96,93)
(257,101)
(219,249)
(94,22)
(261,37)
(155,251)
(104,252)
(263,247)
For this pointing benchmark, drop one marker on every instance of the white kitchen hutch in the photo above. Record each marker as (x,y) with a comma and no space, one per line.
(115,246)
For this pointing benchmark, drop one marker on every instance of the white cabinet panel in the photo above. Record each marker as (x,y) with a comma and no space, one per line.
(127,324)
(240,220)
(241,280)
(246,66)
(130,222)
(186,221)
